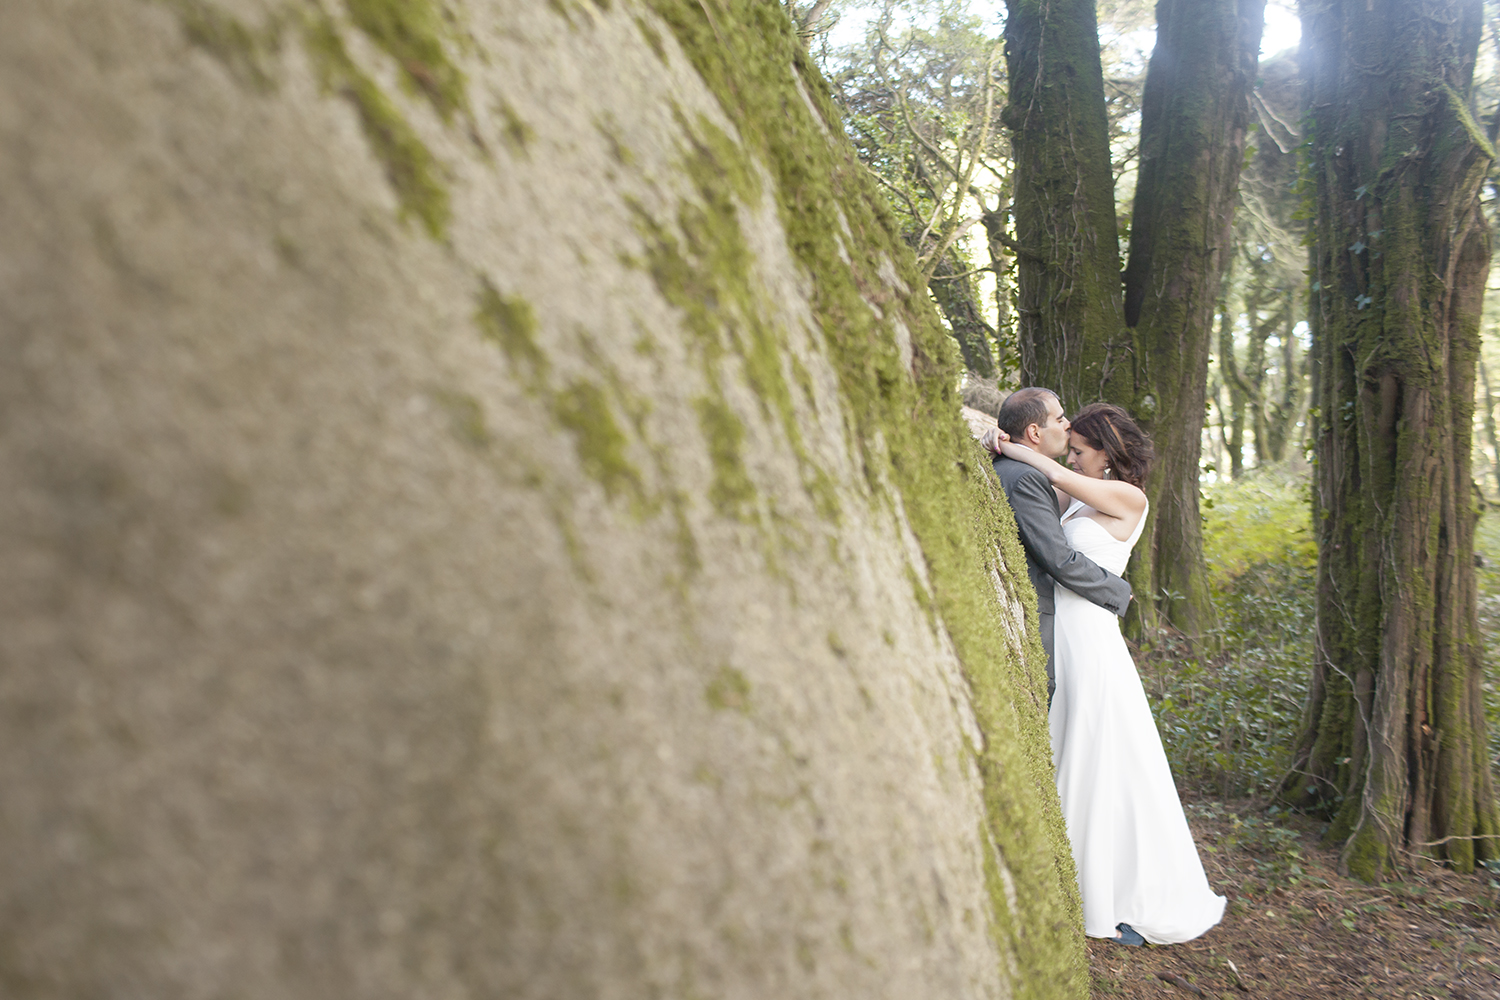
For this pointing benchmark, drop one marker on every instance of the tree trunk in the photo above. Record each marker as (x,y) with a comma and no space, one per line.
(1195,115)
(1067,247)
(1232,420)
(994,220)
(1073,309)
(1394,739)
(1286,407)
(952,287)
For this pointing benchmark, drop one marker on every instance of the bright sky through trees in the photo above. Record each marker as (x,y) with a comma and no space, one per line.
(1283,29)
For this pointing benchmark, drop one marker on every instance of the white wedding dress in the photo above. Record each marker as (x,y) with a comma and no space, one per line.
(1135,855)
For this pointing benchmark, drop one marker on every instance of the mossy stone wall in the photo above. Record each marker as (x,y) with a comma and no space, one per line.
(486,514)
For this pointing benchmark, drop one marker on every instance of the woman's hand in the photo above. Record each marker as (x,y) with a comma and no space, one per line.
(993,438)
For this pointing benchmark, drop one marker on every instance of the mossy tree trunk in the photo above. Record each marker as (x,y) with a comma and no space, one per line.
(1075,317)
(1269,387)
(1394,741)
(1232,404)
(952,288)
(1069,299)
(1195,115)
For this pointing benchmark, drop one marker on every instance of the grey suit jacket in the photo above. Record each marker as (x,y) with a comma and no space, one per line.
(1049,557)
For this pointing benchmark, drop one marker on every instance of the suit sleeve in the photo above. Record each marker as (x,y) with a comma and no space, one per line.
(1035,507)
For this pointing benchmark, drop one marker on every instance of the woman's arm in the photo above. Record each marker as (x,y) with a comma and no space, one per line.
(1110,497)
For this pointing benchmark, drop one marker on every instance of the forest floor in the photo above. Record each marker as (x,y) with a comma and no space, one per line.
(1295,928)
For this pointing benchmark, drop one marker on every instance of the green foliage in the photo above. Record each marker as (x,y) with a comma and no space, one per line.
(1487,581)
(1277,849)
(1228,709)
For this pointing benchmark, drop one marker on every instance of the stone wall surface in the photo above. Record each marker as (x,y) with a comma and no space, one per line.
(484,514)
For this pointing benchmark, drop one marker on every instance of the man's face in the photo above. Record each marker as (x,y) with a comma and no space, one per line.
(1053,440)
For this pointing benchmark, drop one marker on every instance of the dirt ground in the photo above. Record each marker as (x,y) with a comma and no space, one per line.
(1294,928)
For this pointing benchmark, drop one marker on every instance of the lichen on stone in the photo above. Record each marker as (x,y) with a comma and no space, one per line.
(414,173)
(584,409)
(411,32)
(728,691)
(732,492)
(510,323)
(466,417)
(247,52)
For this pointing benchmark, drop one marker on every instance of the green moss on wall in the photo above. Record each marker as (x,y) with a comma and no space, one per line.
(906,430)
(653,37)
(732,493)
(709,274)
(583,409)
(411,32)
(247,52)
(514,131)
(510,323)
(410,167)
(729,690)
(465,417)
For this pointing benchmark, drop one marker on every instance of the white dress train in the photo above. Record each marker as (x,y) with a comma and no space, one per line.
(1136,860)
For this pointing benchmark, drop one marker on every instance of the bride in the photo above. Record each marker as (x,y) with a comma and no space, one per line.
(1138,869)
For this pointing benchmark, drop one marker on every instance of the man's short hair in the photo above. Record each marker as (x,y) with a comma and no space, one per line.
(1023,408)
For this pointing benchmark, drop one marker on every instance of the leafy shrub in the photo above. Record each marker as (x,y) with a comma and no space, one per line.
(1487,581)
(1228,705)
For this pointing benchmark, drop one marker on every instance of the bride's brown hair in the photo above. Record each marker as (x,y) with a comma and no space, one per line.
(1110,429)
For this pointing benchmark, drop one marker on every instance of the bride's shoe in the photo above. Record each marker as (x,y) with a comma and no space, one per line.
(1128,936)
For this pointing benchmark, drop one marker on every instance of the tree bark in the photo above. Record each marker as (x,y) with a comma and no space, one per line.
(1073,309)
(1394,738)
(1070,324)
(1232,419)
(1195,116)
(952,287)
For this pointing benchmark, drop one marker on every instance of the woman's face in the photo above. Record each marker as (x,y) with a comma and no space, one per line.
(1085,458)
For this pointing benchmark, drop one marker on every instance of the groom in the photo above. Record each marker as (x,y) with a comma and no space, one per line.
(1034,418)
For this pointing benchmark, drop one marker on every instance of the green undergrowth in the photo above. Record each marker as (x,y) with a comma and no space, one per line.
(905,427)
(1228,708)
(1487,580)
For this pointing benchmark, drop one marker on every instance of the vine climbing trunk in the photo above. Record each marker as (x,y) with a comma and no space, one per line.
(1394,737)
(1195,116)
